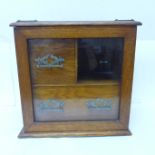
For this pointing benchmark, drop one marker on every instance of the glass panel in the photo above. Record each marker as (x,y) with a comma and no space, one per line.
(68,103)
(52,61)
(76,109)
(100,58)
(52,64)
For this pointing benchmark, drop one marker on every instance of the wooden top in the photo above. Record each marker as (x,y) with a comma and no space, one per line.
(63,23)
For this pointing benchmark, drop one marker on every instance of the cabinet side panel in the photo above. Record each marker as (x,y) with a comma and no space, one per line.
(127,76)
(24,78)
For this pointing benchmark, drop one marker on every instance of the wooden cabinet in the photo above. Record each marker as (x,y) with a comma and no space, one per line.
(75,77)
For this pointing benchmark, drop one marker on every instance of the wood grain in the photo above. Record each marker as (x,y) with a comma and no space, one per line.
(76,31)
(76,91)
(127,77)
(24,79)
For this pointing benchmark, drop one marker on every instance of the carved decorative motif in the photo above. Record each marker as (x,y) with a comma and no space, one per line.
(100,104)
(49,61)
(52,105)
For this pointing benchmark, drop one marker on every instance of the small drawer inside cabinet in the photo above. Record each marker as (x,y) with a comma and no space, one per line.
(79,103)
(52,61)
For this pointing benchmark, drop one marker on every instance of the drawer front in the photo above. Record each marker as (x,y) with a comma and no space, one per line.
(52,61)
(76,103)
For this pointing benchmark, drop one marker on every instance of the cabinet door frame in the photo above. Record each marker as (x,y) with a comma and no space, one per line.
(75,128)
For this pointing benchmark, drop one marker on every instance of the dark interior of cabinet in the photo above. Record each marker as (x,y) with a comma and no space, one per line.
(100,58)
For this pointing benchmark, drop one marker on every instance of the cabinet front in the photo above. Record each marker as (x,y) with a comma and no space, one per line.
(76,79)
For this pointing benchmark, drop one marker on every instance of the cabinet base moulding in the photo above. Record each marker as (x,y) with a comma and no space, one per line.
(23,134)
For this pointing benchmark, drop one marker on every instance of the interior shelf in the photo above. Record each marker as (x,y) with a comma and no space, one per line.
(98,82)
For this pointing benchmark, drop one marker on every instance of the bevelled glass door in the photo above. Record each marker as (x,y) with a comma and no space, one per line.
(100,59)
(76,79)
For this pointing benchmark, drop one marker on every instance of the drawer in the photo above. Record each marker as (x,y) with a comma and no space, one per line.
(76,103)
(52,61)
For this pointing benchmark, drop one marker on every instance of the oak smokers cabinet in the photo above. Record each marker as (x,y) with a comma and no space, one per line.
(75,77)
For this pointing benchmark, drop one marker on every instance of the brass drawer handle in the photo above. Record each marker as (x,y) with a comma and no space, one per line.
(49,61)
(99,104)
(52,105)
